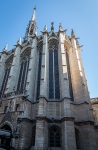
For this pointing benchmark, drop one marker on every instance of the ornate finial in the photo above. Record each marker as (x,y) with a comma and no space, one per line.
(60,27)
(19,41)
(5,48)
(35,7)
(45,28)
(34,14)
(52,26)
(72,33)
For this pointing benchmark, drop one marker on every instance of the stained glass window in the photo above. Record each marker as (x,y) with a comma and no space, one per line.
(24,66)
(6,75)
(54,90)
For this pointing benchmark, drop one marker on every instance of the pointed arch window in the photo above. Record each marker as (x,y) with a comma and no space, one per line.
(6,75)
(40,48)
(54,89)
(54,137)
(24,66)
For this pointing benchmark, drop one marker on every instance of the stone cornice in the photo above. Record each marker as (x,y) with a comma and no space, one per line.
(24,118)
(54,100)
(88,122)
(54,120)
(79,103)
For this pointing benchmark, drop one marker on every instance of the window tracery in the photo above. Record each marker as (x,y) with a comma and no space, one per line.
(8,64)
(24,66)
(54,90)
(54,137)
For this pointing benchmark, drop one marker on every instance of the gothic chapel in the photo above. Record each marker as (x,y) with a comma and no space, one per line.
(44,98)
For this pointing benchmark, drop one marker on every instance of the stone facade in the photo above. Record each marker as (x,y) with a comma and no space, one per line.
(44,99)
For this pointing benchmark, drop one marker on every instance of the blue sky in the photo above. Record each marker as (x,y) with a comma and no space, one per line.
(80,15)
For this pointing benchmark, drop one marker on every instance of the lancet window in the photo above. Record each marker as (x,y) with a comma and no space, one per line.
(40,48)
(6,75)
(54,90)
(24,66)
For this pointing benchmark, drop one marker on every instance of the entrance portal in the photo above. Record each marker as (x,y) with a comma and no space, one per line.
(5,137)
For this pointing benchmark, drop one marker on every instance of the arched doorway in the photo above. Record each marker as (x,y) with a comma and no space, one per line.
(5,137)
(54,137)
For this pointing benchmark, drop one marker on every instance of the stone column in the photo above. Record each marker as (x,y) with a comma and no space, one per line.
(25,133)
(68,134)
(41,140)
(64,82)
(2,66)
(32,72)
(45,66)
(14,72)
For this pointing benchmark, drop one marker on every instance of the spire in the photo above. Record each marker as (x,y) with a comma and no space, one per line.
(5,48)
(31,30)
(72,33)
(60,27)
(19,41)
(45,28)
(34,14)
(52,26)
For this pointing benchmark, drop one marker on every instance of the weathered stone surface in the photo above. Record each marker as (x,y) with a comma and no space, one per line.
(69,122)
